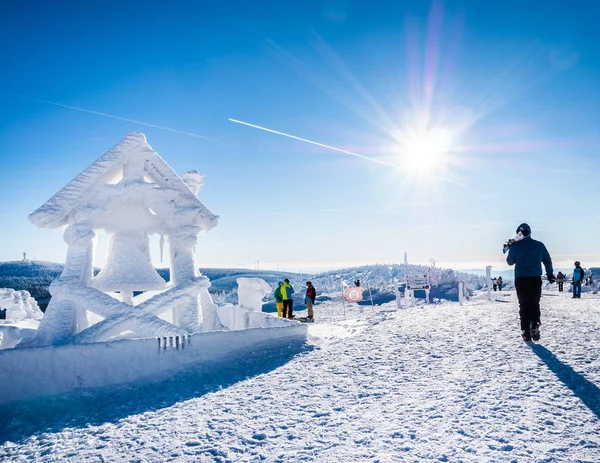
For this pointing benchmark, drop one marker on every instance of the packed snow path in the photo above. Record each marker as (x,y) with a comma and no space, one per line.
(437,383)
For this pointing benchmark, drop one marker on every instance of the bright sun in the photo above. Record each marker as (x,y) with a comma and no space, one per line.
(426,152)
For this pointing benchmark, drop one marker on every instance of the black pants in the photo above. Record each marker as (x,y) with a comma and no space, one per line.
(560,286)
(529,292)
(287,308)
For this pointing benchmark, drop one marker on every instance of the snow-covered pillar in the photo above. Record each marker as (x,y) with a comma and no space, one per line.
(202,314)
(79,265)
(79,237)
(488,275)
(461,293)
(183,269)
(183,256)
(64,318)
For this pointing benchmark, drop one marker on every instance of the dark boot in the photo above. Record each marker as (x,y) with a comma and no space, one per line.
(535,331)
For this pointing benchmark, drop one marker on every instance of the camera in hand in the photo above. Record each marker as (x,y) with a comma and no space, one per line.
(509,243)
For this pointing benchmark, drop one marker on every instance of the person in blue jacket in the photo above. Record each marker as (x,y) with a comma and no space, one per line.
(527,255)
(578,276)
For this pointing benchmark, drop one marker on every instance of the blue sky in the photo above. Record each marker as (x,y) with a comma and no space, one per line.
(512,86)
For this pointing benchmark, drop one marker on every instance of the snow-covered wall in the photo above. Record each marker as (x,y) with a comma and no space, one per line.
(33,372)
(235,317)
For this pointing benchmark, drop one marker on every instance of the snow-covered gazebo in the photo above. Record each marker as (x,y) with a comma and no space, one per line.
(130,193)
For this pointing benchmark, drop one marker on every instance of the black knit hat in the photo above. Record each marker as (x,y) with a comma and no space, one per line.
(524,229)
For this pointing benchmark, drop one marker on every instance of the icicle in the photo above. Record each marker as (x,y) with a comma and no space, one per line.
(162,246)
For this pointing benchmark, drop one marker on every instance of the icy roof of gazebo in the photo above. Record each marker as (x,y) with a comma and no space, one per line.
(132,150)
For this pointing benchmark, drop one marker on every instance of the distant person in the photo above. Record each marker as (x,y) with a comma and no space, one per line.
(286,295)
(278,299)
(309,300)
(578,276)
(527,255)
(560,279)
(495,284)
(500,281)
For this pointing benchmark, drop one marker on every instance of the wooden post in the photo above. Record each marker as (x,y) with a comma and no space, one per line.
(488,274)
(343,298)
(371,295)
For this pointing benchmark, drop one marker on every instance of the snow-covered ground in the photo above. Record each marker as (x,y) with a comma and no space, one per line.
(436,383)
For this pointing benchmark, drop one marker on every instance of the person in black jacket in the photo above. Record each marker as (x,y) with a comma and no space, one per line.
(560,280)
(578,276)
(527,255)
(309,300)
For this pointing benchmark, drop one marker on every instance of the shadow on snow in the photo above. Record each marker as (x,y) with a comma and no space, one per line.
(111,403)
(583,388)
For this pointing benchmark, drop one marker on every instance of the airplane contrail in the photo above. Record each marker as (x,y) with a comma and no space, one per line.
(333,148)
(314,143)
(112,116)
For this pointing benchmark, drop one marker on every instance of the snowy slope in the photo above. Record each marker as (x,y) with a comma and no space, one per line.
(438,383)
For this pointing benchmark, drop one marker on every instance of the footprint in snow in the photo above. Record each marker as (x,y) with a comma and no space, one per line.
(259,436)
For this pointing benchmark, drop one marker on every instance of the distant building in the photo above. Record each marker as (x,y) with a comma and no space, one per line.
(405,259)
(24,257)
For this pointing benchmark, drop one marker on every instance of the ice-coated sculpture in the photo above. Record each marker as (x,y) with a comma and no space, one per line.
(22,317)
(130,193)
(251,292)
(19,305)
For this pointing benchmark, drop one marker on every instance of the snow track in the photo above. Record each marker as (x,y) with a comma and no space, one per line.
(437,383)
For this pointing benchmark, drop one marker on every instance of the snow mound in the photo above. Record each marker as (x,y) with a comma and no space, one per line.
(19,305)
(251,292)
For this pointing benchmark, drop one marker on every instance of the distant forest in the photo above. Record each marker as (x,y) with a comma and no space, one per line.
(34,277)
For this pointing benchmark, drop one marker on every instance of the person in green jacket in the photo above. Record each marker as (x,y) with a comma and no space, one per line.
(278,299)
(286,293)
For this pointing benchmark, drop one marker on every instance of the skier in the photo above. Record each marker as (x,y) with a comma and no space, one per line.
(578,276)
(500,283)
(278,299)
(560,279)
(286,294)
(527,254)
(495,284)
(309,300)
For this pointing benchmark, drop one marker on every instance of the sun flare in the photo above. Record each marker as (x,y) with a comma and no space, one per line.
(426,152)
